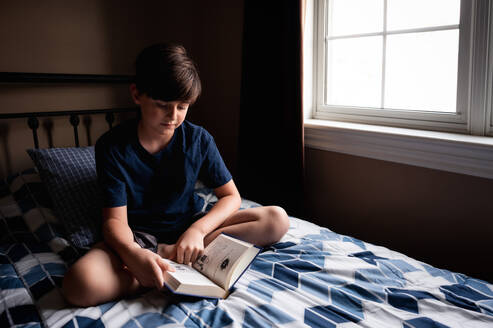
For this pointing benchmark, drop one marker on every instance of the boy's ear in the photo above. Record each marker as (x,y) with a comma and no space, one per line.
(135,93)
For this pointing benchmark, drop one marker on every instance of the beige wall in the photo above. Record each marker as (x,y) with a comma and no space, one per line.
(104,37)
(438,217)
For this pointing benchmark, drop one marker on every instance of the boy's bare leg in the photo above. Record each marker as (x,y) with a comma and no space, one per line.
(165,250)
(261,226)
(97,277)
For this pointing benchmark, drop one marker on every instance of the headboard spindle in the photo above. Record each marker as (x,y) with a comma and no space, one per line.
(33,124)
(74,120)
(110,118)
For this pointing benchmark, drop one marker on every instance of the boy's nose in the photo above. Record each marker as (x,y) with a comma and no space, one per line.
(172,113)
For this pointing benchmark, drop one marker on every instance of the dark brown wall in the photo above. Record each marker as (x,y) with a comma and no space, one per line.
(434,216)
(104,37)
(218,37)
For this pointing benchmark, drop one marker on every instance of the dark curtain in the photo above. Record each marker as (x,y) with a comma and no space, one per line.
(271,154)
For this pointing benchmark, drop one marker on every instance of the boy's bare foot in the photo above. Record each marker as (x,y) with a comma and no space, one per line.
(166,250)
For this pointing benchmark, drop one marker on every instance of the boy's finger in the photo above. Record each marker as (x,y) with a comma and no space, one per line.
(187,256)
(158,275)
(179,255)
(165,265)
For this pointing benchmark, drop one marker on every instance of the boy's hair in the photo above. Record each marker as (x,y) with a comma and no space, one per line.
(165,72)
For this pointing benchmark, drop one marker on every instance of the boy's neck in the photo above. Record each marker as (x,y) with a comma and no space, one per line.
(151,141)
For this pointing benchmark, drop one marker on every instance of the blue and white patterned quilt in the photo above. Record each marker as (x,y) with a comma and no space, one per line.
(312,278)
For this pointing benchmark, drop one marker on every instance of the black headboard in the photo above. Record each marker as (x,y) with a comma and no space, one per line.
(73,115)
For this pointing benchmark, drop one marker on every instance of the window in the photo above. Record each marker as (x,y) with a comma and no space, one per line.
(407,81)
(420,64)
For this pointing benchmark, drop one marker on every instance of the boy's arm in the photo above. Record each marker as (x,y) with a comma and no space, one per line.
(145,265)
(191,243)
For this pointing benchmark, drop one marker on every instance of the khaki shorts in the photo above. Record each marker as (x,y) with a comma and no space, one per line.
(149,241)
(145,240)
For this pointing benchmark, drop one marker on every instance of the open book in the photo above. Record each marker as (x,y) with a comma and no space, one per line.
(213,274)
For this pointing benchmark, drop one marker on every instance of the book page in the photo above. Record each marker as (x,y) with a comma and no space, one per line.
(243,263)
(219,258)
(187,275)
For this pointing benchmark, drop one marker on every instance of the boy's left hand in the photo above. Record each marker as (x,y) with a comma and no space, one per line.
(189,246)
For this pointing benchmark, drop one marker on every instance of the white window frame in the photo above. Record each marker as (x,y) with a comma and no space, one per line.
(469,117)
(453,142)
(489,84)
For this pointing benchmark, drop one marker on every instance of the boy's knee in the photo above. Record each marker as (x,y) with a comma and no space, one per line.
(80,286)
(278,222)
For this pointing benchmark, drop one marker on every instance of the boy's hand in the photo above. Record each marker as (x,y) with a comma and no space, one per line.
(190,246)
(147,267)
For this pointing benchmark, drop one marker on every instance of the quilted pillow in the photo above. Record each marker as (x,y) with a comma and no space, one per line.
(26,215)
(69,175)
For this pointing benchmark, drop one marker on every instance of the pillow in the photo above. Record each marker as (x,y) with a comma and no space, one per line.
(26,215)
(69,175)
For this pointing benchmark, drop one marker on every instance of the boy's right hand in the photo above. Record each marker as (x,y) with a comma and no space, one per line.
(147,266)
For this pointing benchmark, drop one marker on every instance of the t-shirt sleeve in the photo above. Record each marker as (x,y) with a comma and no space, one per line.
(110,178)
(213,172)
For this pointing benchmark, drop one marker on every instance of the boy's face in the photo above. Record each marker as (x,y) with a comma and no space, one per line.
(161,117)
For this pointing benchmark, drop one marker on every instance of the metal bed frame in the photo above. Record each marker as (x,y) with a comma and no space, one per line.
(43,78)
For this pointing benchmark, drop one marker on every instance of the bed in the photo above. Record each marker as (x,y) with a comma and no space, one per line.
(313,277)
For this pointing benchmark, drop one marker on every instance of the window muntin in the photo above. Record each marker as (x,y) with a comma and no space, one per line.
(371,66)
(442,114)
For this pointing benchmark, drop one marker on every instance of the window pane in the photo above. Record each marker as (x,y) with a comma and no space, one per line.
(354,72)
(355,16)
(406,14)
(421,71)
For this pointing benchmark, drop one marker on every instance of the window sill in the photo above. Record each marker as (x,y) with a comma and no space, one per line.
(451,152)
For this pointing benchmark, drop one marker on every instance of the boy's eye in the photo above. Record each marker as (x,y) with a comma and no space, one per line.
(166,106)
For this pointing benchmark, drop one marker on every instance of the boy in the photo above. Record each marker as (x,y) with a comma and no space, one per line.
(147,169)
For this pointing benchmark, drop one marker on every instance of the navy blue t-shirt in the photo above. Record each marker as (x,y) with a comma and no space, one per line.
(158,189)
